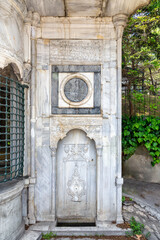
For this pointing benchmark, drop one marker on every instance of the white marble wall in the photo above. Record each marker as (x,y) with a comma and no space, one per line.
(83,52)
(11,38)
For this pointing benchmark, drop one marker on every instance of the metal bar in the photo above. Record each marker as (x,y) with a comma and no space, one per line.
(12,128)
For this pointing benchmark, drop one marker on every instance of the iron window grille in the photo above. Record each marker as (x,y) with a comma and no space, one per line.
(11,129)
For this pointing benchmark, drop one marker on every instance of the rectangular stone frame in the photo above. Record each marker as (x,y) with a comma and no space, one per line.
(56,69)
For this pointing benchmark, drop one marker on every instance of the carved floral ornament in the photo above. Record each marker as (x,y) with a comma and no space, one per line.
(76,187)
(93,132)
(76,152)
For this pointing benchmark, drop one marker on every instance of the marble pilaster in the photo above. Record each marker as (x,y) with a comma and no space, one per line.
(119,21)
(35,21)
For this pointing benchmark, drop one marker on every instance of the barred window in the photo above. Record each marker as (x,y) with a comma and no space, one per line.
(11,128)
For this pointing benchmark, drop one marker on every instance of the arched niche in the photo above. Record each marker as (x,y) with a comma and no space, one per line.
(76,167)
(11,70)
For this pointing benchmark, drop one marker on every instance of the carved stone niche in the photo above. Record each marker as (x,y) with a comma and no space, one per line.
(75,151)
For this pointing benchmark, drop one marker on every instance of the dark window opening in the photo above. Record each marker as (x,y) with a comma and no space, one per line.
(11,128)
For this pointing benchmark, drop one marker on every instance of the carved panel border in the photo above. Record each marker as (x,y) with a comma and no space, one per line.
(60,126)
(76,69)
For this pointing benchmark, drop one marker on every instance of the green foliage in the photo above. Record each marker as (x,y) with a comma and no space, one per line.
(123,199)
(138,131)
(141,54)
(147,236)
(141,42)
(49,235)
(137,227)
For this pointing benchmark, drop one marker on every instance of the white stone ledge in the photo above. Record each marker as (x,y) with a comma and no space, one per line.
(10,190)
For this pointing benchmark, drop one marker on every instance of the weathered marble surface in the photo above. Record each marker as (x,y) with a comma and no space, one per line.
(103,128)
(94,8)
(77,28)
(31,235)
(11,37)
(127,7)
(47,7)
(12,224)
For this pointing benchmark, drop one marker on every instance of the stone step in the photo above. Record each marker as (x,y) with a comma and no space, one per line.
(108,230)
(88,238)
(31,235)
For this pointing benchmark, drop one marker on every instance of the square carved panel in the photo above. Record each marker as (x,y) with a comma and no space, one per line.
(76,89)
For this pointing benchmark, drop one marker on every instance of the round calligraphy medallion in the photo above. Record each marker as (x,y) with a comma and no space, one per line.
(76,89)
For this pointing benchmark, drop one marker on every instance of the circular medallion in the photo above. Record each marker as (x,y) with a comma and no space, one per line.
(76,90)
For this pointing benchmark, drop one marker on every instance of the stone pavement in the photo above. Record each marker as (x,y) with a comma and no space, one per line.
(148,193)
(145,207)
